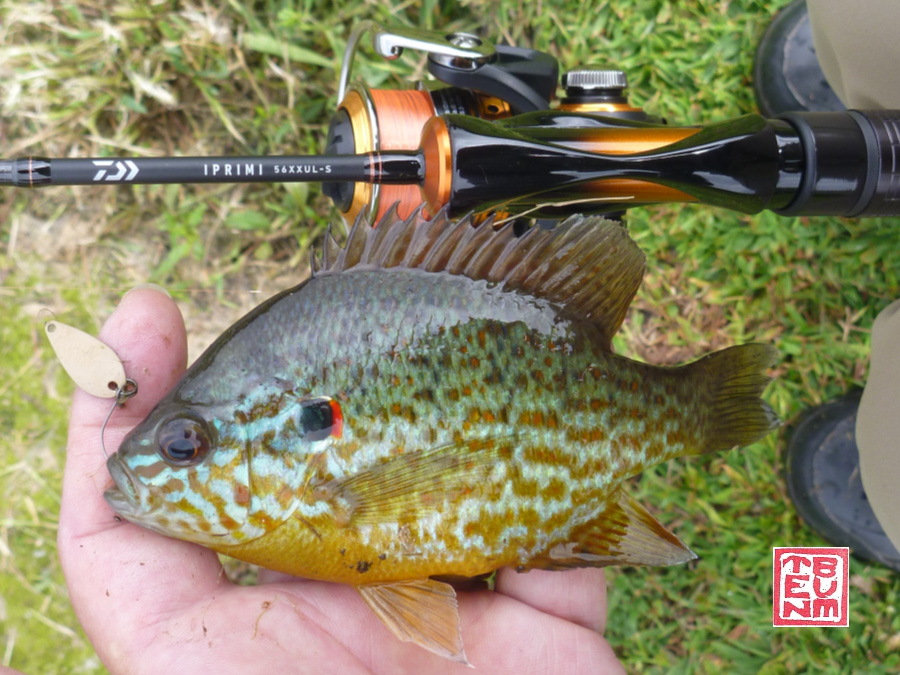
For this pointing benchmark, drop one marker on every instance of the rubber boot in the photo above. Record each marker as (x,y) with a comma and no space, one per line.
(786,75)
(823,480)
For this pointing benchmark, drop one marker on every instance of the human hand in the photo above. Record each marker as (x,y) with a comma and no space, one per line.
(151,604)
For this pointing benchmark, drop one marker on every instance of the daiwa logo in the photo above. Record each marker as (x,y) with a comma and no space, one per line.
(121,168)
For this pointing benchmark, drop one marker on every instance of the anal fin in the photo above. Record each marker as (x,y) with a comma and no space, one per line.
(622,534)
(422,611)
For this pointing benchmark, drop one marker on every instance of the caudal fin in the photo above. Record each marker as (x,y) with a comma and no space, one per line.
(735,378)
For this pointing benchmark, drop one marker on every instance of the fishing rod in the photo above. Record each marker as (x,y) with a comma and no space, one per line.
(387,167)
(489,140)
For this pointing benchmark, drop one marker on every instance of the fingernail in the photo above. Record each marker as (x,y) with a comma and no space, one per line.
(150,286)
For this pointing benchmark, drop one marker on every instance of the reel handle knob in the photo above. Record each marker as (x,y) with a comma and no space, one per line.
(599,90)
(594,81)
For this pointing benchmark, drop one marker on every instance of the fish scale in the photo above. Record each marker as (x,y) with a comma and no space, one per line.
(425,407)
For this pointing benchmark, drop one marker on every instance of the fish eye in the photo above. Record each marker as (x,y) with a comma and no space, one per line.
(320,418)
(184,441)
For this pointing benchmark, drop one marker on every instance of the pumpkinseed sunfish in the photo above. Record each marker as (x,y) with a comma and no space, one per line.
(438,399)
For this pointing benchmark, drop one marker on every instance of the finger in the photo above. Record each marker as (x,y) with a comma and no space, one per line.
(147,333)
(120,575)
(510,636)
(264,576)
(576,595)
(500,634)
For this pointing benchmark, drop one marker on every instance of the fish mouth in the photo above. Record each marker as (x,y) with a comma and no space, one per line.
(123,498)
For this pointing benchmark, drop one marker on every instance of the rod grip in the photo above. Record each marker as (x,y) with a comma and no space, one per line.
(851,163)
(884,148)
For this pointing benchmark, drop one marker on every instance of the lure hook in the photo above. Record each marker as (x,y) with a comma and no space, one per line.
(123,393)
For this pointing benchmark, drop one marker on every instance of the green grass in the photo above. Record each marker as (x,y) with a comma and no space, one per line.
(160,77)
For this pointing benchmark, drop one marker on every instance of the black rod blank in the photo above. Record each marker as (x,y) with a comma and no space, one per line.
(384,167)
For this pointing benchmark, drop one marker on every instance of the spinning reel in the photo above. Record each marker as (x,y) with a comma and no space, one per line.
(472,77)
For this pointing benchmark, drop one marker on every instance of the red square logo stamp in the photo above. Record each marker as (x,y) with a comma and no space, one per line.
(811,587)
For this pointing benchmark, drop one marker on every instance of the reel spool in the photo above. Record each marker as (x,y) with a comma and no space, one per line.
(475,78)
(372,120)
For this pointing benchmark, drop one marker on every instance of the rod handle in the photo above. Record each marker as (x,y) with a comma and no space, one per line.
(851,163)
(885,179)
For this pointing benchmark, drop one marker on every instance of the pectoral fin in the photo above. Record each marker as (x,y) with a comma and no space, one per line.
(623,534)
(415,483)
(422,611)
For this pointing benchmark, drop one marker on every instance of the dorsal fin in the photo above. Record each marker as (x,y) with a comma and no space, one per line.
(330,249)
(589,266)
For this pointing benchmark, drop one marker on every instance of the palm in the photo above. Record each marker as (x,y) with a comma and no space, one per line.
(151,604)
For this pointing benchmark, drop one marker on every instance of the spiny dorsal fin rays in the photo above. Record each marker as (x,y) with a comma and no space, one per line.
(483,262)
(445,245)
(426,236)
(378,251)
(549,252)
(330,250)
(473,241)
(588,266)
(393,248)
(355,246)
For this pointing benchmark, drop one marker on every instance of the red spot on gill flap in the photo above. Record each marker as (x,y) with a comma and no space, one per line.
(337,417)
